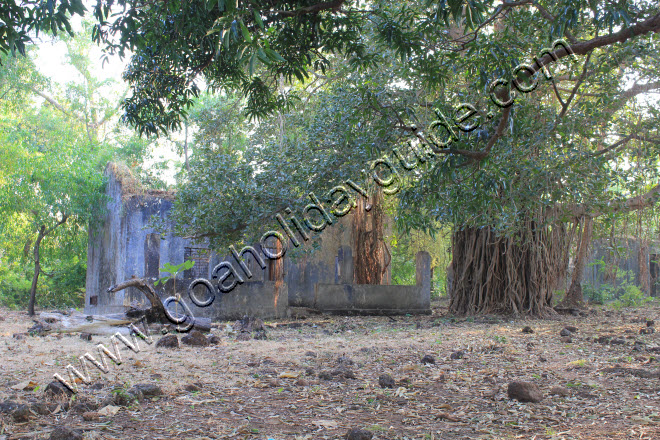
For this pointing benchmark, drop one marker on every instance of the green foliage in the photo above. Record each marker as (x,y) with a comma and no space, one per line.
(20,21)
(173,270)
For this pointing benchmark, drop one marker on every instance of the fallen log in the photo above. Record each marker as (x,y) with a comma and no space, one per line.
(157,312)
(74,321)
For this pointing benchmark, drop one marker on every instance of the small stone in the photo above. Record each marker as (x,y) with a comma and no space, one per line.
(603,339)
(309,371)
(528,330)
(571,329)
(56,389)
(647,331)
(214,339)
(168,341)
(344,360)
(21,413)
(428,359)
(386,381)
(543,358)
(302,382)
(86,336)
(530,346)
(147,390)
(524,392)
(310,354)
(119,397)
(359,434)
(618,341)
(650,323)
(566,339)
(559,391)
(196,339)
(192,388)
(19,336)
(346,373)
(460,354)
(325,375)
(91,416)
(39,408)
(565,332)
(63,433)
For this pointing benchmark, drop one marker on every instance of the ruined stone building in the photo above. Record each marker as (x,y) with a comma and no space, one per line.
(128,246)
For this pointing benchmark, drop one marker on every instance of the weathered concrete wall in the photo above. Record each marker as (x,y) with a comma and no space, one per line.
(116,252)
(127,246)
(377,299)
(628,261)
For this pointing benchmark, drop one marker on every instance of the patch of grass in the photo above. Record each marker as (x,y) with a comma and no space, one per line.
(579,363)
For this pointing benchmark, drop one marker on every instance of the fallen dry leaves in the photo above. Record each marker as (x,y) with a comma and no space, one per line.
(317,378)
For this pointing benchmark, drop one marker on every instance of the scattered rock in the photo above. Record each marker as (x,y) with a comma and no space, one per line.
(196,339)
(86,336)
(565,332)
(646,331)
(359,434)
(528,330)
(325,375)
(524,392)
(147,390)
(19,336)
(542,358)
(21,413)
(344,360)
(192,388)
(560,391)
(428,359)
(530,346)
(82,406)
(119,397)
(309,371)
(91,416)
(168,341)
(571,329)
(39,408)
(302,382)
(618,341)
(346,373)
(566,339)
(386,381)
(603,339)
(56,389)
(460,354)
(214,339)
(310,354)
(64,433)
(650,323)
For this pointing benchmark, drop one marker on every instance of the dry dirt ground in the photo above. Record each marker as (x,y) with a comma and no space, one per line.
(317,378)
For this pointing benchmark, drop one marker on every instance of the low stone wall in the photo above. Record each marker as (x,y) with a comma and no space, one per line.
(367,299)
(259,299)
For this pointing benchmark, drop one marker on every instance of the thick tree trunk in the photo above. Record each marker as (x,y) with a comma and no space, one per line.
(574,297)
(37,271)
(371,255)
(513,274)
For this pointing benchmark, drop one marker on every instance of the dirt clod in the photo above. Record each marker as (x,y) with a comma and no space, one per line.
(428,359)
(524,392)
(359,434)
(168,341)
(386,381)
